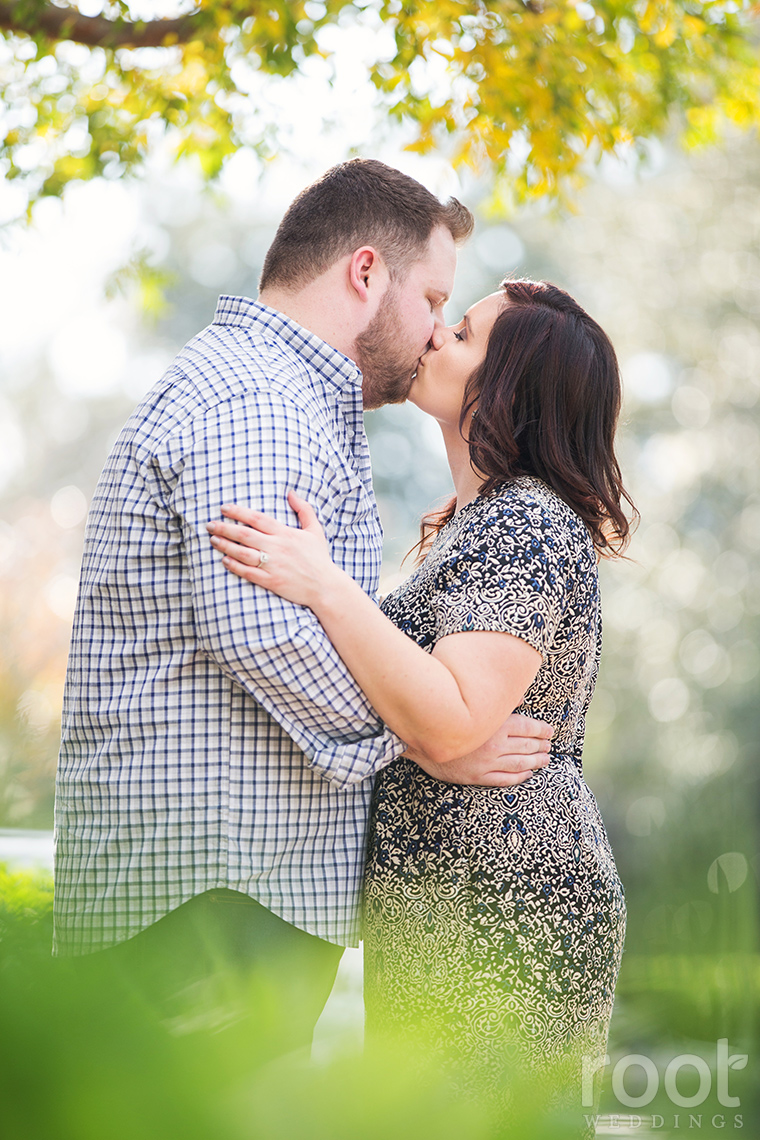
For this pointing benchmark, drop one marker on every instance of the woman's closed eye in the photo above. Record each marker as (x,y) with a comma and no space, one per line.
(460,334)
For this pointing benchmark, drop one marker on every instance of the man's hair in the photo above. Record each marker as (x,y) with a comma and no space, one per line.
(360,202)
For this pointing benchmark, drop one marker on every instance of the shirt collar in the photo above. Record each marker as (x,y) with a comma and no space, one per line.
(331,364)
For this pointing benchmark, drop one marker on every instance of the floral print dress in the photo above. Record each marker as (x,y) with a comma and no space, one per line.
(494,917)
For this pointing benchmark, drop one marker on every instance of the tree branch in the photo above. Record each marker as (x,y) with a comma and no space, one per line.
(94,31)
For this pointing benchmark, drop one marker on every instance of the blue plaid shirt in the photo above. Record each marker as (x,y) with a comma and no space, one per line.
(212,737)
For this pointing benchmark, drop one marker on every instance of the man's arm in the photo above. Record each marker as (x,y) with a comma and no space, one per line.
(254,451)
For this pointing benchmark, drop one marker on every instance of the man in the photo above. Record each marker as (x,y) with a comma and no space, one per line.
(214,779)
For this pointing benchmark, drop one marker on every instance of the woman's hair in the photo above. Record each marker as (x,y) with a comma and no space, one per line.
(545,402)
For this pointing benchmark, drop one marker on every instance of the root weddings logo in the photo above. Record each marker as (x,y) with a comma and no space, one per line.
(648,1078)
(606,1125)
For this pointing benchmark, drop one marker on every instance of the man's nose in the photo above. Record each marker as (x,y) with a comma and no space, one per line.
(441,334)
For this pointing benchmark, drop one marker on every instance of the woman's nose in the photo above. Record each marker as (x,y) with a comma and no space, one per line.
(441,336)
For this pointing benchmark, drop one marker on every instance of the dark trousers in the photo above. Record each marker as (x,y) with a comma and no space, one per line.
(222,960)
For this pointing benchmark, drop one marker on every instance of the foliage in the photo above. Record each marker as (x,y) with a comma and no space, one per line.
(24,895)
(31,674)
(528,88)
(82,1055)
(26,916)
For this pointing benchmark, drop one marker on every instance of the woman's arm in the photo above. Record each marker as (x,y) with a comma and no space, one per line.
(446,703)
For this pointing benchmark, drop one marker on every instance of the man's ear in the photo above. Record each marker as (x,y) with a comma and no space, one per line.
(367,272)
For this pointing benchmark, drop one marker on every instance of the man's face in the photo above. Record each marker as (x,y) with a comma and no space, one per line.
(389,348)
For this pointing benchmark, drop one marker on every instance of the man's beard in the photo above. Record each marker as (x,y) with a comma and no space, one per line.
(387,366)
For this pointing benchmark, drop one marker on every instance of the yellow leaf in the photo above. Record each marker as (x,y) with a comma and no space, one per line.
(665,36)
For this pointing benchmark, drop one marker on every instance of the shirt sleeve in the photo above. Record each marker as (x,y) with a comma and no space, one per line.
(252,451)
(509,574)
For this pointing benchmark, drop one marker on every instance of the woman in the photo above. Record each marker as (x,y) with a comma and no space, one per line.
(494,917)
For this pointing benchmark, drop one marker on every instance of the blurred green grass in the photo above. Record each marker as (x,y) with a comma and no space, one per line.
(82,1057)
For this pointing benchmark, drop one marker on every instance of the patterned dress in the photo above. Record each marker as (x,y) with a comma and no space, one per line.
(494,917)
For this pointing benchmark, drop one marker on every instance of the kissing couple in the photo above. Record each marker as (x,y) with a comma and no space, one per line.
(259,764)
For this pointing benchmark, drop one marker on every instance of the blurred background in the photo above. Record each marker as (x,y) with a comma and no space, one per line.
(662,246)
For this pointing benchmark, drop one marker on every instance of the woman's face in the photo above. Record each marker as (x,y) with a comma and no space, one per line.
(455,353)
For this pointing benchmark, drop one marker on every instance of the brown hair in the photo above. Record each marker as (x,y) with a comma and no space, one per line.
(359,202)
(545,402)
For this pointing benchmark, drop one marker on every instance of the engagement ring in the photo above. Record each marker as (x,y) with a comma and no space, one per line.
(263,557)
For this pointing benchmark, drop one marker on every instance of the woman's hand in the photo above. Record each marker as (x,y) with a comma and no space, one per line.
(294,563)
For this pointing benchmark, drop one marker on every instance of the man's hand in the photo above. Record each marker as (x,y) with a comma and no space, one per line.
(510,757)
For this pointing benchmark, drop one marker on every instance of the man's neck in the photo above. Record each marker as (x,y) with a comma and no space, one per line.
(309,307)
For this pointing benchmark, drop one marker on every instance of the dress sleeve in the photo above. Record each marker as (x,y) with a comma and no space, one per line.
(509,573)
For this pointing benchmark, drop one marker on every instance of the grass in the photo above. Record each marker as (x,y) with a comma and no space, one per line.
(83,1058)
